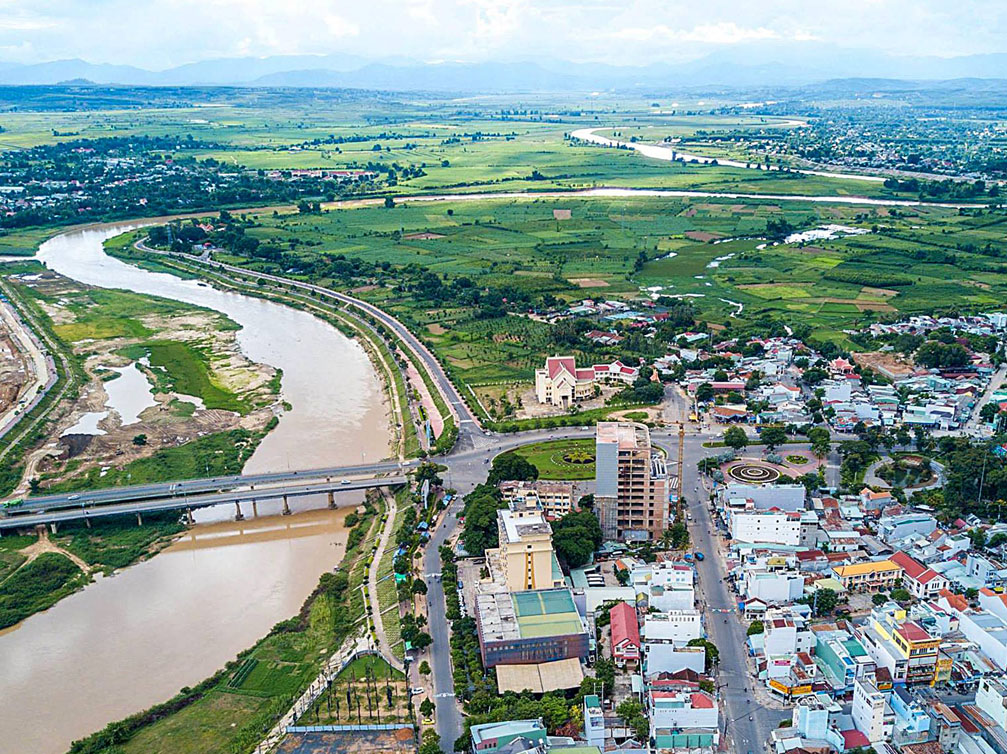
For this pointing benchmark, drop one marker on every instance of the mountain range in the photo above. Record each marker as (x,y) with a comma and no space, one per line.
(742,66)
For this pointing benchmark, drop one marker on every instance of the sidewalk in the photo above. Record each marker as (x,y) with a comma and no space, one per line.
(372,584)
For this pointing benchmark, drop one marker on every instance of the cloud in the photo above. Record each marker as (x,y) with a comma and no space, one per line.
(724,33)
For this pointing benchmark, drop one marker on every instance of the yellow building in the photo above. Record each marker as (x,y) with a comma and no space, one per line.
(859,577)
(525,558)
(915,650)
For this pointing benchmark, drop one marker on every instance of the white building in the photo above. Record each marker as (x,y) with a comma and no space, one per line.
(774,587)
(667,658)
(681,709)
(786,633)
(786,497)
(872,714)
(991,698)
(666,586)
(767,527)
(676,626)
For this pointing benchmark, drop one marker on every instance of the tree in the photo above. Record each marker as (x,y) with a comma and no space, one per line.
(978,537)
(424,668)
(140,440)
(511,466)
(704,393)
(389,202)
(480,512)
(678,534)
(422,640)
(712,653)
(822,602)
(419,586)
(879,599)
(427,708)
(735,437)
(757,627)
(901,595)
(431,742)
(820,442)
(773,436)
(34,484)
(576,536)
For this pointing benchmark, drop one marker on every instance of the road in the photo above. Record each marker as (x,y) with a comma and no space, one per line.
(218,483)
(746,724)
(30,520)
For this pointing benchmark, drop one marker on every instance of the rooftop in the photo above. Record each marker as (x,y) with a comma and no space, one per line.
(528,615)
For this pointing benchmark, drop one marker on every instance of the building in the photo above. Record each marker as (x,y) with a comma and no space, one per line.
(667,585)
(767,527)
(904,647)
(491,737)
(530,627)
(525,558)
(988,631)
(682,716)
(921,582)
(892,529)
(786,633)
(594,722)
(678,627)
(773,587)
(625,635)
(554,498)
(991,698)
(871,576)
(842,660)
(872,714)
(784,497)
(662,657)
(632,491)
(560,383)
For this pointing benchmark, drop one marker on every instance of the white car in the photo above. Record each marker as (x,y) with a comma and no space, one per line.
(416,691)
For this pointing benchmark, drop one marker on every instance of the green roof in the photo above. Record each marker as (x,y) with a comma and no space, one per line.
(547,612)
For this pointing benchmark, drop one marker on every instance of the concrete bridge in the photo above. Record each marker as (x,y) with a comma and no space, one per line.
(185,501)
(40,503)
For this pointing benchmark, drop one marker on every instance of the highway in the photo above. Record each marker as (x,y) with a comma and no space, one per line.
(209,484)
(182,502)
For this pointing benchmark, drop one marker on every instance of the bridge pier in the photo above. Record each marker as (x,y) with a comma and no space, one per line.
(139,521)
(188,517)
(286,506)
(255,509)
(52,527)
(332,499)
(87,522)
(238,515)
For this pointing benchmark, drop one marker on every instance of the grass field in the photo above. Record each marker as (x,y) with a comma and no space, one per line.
(561,459)
(37,586)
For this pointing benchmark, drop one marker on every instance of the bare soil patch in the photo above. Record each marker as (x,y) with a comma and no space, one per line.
(589,282)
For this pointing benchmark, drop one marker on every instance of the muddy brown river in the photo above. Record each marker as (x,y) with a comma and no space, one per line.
(136,638)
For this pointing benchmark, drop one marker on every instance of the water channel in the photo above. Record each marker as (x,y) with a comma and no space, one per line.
(136,638)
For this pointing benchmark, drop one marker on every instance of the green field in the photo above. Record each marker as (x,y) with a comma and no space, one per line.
(557,459)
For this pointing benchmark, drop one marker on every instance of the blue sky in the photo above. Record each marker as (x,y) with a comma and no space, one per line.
(161,33)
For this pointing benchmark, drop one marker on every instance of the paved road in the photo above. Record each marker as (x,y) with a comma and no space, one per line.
(30,520)
(219,483)
(726,630)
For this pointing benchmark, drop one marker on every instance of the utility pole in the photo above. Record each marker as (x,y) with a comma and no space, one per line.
(681,468)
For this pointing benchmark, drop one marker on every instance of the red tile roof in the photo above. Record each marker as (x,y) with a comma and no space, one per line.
(912,632)
(625,626)
(853,739)
(913,568)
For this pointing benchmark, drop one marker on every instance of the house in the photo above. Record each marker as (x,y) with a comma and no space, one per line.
(625,631)
(920,581)
(491,737)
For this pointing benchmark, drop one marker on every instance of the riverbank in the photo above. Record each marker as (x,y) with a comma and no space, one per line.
(378,342)
(167,387)
(234,708)
(179,616)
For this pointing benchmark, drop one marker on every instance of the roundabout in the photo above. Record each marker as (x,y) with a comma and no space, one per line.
(751,472)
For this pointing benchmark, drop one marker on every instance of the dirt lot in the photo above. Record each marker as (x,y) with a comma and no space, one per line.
(350,742)
(888,364)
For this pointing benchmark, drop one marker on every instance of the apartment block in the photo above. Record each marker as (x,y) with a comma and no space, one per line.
(632,490)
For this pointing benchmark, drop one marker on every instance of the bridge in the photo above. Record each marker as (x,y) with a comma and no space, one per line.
(108,495)
(202,493)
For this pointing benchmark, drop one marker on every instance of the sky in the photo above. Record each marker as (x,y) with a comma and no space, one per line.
(156,34)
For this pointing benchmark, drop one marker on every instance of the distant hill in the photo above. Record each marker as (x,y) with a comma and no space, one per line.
(755,65)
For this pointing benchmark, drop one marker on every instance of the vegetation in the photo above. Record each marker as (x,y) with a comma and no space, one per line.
(560,459)
(36,586)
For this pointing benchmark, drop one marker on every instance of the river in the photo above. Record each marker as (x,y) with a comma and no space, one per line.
(129,641)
